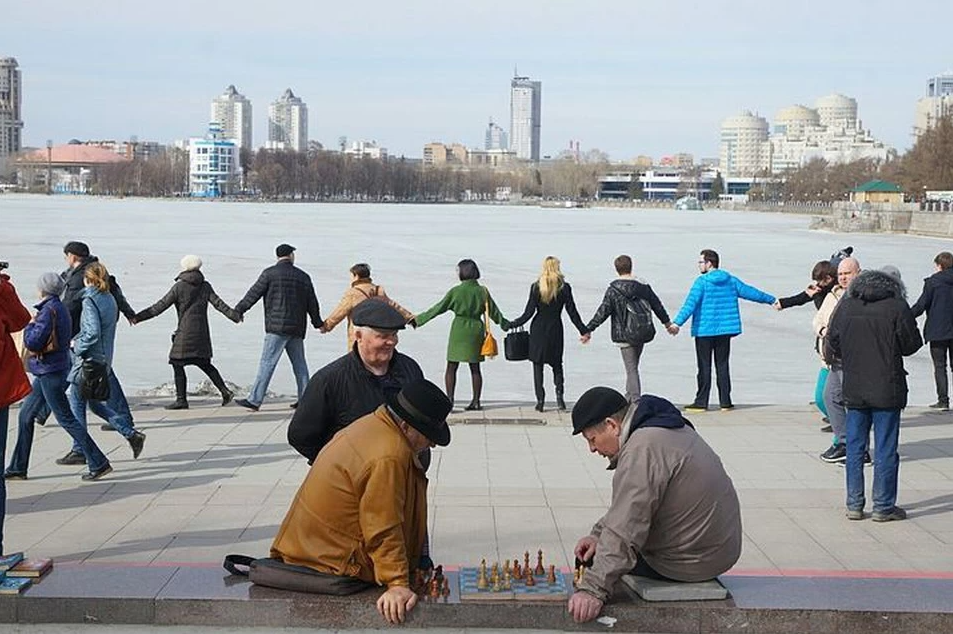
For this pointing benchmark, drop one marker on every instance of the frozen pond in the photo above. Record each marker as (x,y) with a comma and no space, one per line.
(412,250)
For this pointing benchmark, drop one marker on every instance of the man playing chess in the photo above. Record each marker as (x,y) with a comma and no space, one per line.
(674,514)
(362,509)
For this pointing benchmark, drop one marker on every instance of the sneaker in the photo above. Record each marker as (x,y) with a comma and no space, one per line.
(835,454)
(695,409)
(244,402)
(72,458)
(855,514)
(178,405)
(894,515)
(941,406)
(136,441)
(867,461)
(827,429)
(13,475)
(227,397)
(727,408)
(96,475)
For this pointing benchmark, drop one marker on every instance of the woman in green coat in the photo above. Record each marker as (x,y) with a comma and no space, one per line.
(467,301)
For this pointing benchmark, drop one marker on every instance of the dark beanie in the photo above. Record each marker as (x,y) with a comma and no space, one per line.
(76,248)
(596,405)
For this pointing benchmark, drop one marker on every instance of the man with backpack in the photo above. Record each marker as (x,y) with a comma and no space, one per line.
(630,303)
(712,304)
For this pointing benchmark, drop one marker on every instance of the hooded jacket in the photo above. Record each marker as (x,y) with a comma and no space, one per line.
(937,301)
(190,295)
(96,339)
(712,303)
(613,305)
(869,334)
(673,504)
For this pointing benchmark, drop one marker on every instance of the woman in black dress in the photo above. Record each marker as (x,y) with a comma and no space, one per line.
(547,298)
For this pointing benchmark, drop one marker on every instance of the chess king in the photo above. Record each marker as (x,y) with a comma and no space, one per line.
(674,514)
(362,509)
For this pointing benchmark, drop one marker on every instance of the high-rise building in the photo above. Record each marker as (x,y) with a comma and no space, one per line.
(11,99)
(937,104)
(288,123)
(837,112)
(525,110)
(232,111)
(745,150)
(496,138)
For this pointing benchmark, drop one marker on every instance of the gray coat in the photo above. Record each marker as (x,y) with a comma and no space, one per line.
(190,295)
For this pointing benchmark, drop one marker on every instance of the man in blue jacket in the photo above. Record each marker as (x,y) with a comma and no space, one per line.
(712,303)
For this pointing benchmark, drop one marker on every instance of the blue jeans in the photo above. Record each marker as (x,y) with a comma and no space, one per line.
(270,353)
(4,420)
(102,409)
(54,387)
(30,408)
(116,406)
(886,424)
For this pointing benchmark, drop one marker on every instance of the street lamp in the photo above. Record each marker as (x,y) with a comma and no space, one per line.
(49,166)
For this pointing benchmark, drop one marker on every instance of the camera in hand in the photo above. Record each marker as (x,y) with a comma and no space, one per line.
(4,265)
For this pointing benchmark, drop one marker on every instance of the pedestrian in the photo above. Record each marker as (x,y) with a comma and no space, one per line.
(47,339)
(548,295)
(937,302)
(712,304)
(96,341)
(362,288)
(191,342)
(472,305)
(871,331)
(14,384)
(289,301)
(78,257)
(630,302)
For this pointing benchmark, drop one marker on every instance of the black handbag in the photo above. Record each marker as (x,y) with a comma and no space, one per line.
(94,381)
(516,345)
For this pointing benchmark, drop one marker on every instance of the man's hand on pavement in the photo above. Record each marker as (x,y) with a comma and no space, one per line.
(395,603)
(584,607)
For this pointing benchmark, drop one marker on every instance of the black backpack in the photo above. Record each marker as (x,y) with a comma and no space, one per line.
(637,324)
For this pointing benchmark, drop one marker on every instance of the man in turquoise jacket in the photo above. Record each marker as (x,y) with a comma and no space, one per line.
(712,303)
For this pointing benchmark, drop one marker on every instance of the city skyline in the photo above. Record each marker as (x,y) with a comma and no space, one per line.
(646,82)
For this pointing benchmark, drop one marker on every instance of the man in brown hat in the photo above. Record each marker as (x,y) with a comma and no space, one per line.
(674,514)
(362,510)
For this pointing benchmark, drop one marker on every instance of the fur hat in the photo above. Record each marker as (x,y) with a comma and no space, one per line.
(191,263)
(50,284)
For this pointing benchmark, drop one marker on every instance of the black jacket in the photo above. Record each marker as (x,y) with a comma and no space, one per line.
(340,393)
(870,332)
(73,293)
(289,300)
(190,295)
(613,305)
(803,298)
(937,301)
(546,332)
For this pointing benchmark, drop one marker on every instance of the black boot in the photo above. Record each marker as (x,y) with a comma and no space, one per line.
(227,396)
(181,399)
(178,404)
(560,403)
(539,406)
(560,381)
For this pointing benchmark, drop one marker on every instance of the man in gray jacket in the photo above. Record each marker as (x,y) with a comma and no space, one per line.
(674,514)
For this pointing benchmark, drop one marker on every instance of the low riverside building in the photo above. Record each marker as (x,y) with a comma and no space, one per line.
(63,169)
(213,164)
(877,191)
(670,184)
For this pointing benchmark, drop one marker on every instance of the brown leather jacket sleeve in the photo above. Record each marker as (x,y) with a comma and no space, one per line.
(381,513)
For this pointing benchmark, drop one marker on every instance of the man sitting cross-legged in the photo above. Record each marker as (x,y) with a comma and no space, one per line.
(674,513)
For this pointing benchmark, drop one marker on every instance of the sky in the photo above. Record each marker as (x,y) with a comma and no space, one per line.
(628,77)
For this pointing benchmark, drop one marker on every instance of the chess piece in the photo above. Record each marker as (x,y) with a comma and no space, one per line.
(530,579)
(506,567)
(540,570)
(497,586)
(495,573)
(438,573)
(517,570)
(482,582)
(446,588)
(507,581)
(526,562)
(434,588)
(419,580)
(551,577)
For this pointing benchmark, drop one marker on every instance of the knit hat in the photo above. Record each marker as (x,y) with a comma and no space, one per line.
(191,263)
(892,271)
(50,284)
(76,248)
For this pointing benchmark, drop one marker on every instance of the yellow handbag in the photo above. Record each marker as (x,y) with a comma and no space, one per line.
(489,349)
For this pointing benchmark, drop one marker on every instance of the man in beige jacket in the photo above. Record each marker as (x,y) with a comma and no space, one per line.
(674,514)
(362,288)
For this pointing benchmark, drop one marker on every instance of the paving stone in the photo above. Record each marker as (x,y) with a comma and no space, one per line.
(656,590)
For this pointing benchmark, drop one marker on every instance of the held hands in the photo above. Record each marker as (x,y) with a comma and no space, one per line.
(776,305)
(584,607)
(395,603)
(584,339)
(672,329)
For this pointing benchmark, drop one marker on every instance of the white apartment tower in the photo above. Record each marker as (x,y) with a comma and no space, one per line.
(525,110)
(937,104)
(232,111)
(288,123)
(11,99)
(496,138)
(837,112)
(745,149)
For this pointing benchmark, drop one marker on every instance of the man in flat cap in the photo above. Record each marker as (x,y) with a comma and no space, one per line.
(674,514)
(361,513)
(357,383)
(289,301)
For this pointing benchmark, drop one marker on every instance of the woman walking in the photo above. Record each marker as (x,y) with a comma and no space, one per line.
(547,298)
(469,302)
(191,343)
(95,342)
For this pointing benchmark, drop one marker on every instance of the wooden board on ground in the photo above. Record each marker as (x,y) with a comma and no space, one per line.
(542,591)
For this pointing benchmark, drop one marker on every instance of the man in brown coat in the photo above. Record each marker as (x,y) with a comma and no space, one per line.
(674,514)
(362,288)
(362,510)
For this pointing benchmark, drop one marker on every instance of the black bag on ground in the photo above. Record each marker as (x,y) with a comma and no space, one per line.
(274,573)
(94,381)
(516,345)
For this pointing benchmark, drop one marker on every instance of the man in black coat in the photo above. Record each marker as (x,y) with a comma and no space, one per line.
(626,294)
(870,332)
(289,301)
(937,301)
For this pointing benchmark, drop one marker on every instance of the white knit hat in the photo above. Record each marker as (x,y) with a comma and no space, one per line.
(191,263)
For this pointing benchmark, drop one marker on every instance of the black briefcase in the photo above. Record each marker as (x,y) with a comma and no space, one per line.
(516,345)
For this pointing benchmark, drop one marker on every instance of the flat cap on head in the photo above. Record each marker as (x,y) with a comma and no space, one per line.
(596,405)
(79,249)
(284,250)
(377,314)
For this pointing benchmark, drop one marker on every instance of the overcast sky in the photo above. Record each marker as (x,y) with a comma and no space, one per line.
(626,76)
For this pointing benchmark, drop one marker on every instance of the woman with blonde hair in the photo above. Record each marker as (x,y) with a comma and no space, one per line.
(547,297)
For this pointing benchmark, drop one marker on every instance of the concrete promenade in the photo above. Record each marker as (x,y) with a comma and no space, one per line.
(214,480)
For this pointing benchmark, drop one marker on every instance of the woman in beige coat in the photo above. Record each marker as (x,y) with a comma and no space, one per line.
(362,288)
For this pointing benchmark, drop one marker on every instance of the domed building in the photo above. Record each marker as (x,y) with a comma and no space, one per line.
(794,121)
(837,112)
(745,150)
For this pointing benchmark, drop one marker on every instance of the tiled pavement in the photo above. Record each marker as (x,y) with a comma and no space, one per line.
(213,481)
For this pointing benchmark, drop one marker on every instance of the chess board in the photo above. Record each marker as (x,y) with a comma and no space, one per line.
(542,591)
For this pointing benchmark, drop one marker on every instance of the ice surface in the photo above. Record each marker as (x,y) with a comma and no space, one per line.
(413,249)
